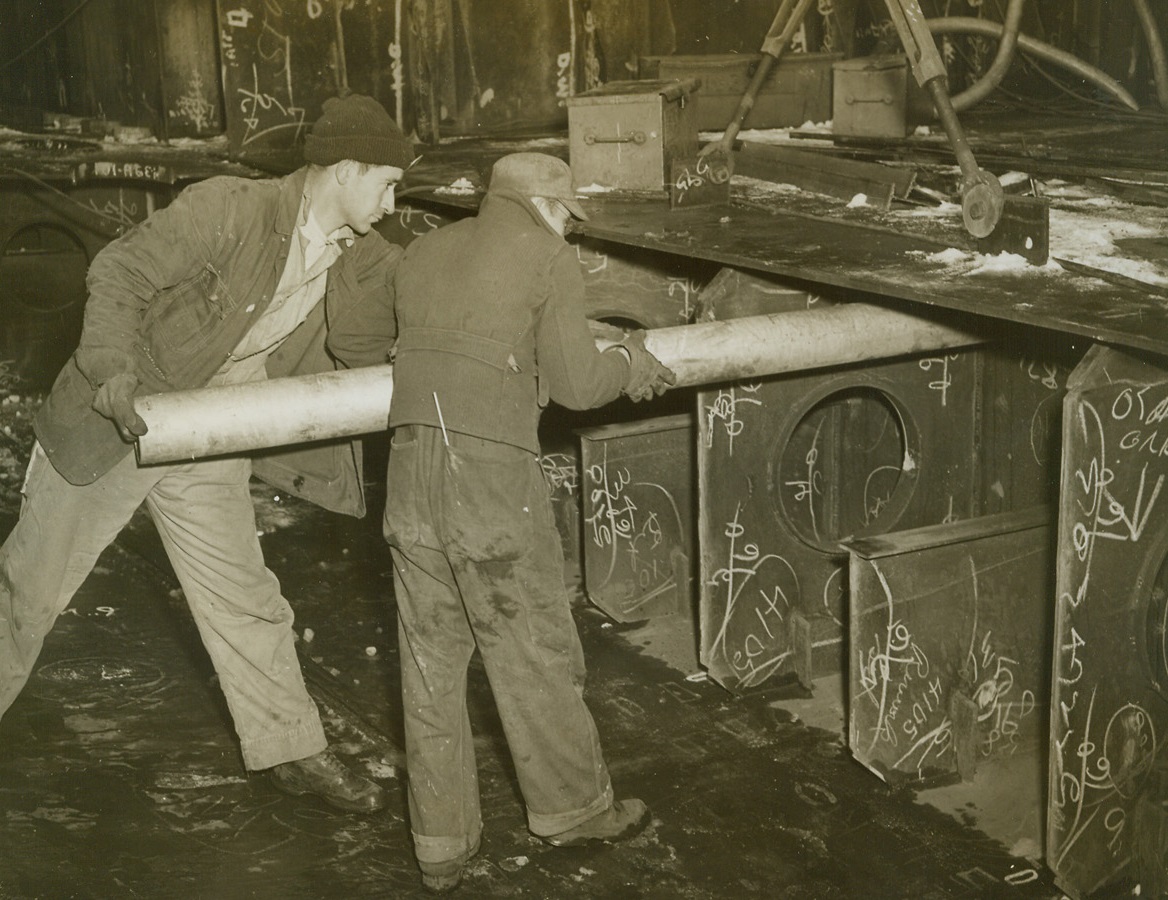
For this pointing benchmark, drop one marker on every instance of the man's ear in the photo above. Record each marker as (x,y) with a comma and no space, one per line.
(343,170)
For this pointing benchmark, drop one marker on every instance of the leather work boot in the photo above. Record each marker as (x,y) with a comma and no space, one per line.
(328,778)
(443,877)
(621,821)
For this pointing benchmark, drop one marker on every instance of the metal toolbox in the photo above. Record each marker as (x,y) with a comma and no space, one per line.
(626,134)
(876,96)
(798,89)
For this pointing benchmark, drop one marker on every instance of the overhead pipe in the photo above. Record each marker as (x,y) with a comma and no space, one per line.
(240,418)
(1045,52)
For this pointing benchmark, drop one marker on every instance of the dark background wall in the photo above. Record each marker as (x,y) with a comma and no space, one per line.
(258,69)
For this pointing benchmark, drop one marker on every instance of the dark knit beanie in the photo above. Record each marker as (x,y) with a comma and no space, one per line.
(357,127)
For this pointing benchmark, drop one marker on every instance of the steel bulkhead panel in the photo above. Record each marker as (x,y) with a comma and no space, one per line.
(48,238)
(789,467)
(1109,715)
(1020,423)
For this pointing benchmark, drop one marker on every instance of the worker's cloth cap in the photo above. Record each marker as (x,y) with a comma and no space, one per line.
(536,175)
(355,126)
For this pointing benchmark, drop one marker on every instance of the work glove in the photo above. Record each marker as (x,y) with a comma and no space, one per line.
(648,377)
(115,401)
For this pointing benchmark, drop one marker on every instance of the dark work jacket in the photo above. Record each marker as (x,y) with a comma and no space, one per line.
(490,318)
(169,301)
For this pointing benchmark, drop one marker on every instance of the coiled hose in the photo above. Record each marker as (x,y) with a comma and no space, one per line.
(993,76)
(1044,52)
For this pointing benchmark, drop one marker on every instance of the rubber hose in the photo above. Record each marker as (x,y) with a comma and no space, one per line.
(993,76)
(1155,50)
(1045,52)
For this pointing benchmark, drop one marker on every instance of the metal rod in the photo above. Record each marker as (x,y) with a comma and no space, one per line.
(786,22)
(982,198)
(245,417)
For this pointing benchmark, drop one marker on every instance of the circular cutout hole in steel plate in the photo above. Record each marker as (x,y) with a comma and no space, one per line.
(846,467)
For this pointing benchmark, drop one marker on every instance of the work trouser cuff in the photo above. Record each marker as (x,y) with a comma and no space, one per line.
(547,824)
(304,740)
(441,849)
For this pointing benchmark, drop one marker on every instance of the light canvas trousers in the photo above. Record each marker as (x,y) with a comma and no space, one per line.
(478,561)
(205,517)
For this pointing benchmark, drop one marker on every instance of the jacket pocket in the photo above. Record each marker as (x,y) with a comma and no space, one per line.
(182,318)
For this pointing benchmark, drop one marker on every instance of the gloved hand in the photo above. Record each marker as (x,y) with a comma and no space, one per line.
(648,377)
(115,401)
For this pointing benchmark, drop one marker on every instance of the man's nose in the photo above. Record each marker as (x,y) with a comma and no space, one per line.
(387,201)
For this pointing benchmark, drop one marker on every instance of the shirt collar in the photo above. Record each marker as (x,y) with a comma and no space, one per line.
(314,235)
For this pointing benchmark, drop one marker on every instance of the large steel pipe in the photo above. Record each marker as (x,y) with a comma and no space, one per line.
(257,415)
(237,418)
(754,346)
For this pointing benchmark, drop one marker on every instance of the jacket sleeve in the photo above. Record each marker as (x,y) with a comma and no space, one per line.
(576,373)
(127,273)
(364,333)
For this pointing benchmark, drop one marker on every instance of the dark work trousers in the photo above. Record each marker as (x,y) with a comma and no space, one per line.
(478,561)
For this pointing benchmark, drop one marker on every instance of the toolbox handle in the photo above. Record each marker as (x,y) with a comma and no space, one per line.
(680,90)
(636,137)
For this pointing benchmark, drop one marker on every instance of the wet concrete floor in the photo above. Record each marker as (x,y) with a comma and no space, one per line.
(120,775)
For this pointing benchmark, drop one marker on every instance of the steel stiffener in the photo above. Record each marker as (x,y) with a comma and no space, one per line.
(949,654)
(637,508)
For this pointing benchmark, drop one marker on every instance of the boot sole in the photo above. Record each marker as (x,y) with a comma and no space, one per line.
(294,791)
(629,833)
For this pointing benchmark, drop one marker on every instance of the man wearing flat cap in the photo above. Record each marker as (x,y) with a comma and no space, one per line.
(490,328)
(236,280)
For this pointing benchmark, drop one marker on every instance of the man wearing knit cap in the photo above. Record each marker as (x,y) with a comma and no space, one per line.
(236,280)
(481,349)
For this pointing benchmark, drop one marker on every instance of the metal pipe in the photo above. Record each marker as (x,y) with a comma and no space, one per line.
(237,418)
(780,343)
(787,20)
(245,417)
